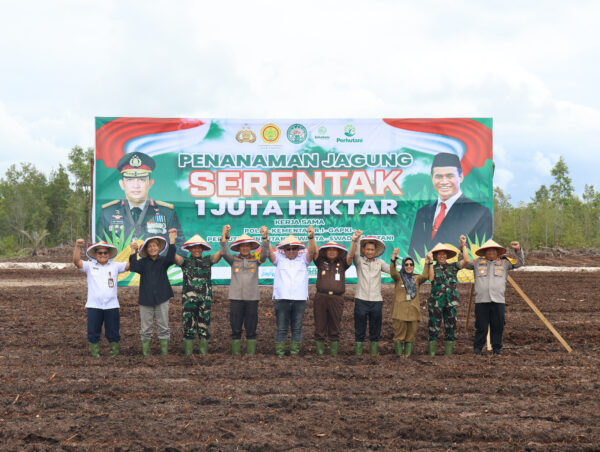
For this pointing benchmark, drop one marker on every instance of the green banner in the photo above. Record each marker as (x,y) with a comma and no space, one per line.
(388,177)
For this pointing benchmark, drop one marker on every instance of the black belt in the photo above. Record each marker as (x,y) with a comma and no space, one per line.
(329,292)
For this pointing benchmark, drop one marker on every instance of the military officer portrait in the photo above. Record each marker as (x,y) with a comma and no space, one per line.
(137,212)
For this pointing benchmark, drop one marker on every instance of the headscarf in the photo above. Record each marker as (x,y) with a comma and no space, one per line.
(408,279)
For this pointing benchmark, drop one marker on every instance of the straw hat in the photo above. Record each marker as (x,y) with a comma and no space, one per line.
(244,238)
(91,251)
(450,253)
(162,243)
(342,249)
(379,245)
(490,244)
(195,241)
(291,241)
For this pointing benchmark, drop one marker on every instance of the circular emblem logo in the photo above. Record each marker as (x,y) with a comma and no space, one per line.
(349,130)
(135,161)
(296,133)
(270,133)
(322,130)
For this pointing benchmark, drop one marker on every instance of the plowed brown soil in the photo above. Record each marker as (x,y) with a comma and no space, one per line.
(535,396)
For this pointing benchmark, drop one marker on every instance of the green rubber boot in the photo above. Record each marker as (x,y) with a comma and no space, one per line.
(188,347)
(146,347)
(319,347)
(358,348)
(236,347)
(164,346)
(280,349)
(408,348)
(449,348)
(294,348)
(398,347)
(431,348)
(114,348)
(95,349)
(373,348)
(203,346)
(250,346)
(334,348)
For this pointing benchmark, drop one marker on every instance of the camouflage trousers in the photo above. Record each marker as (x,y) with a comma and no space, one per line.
(196,315)
(438,313)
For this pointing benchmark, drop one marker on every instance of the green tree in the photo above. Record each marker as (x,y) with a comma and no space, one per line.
(23,206)
(57,198)
(79,208)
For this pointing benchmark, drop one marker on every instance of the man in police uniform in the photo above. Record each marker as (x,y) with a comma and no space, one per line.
(137,212)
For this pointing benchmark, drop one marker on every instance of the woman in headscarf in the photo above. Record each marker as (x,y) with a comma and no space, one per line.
(406,309)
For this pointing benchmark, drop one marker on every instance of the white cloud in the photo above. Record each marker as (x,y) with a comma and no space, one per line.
(532,67)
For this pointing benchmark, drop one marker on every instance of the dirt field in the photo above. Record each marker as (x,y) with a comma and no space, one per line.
(535,396)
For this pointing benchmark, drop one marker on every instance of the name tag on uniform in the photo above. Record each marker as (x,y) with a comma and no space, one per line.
(337,276)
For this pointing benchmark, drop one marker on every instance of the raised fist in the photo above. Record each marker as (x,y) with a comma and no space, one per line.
(264,232)
(356,235)
(515,246)
(395,253)
(80,242)
(310,231)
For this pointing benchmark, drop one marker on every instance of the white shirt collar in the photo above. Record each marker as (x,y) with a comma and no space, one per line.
(450,201)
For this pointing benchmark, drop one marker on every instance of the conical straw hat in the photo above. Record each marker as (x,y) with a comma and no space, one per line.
(194,241)
(291,240)
(91,251)
(379,245)
(342,248)
(162,243)
(244,238)
(450,253)
(490,244)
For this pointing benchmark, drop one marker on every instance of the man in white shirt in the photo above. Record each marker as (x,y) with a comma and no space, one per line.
(102,304)
(290,287)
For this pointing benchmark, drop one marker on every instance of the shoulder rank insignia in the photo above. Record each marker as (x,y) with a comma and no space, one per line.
(165,204)
(108,204)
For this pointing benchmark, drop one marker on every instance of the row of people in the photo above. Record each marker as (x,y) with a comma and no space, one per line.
(291,259)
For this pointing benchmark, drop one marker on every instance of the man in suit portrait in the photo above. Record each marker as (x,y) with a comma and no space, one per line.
(452,214)
(137,214)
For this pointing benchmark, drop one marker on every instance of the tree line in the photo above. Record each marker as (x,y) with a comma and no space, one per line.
(38,211)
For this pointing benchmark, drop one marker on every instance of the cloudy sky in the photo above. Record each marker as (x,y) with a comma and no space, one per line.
(533,69)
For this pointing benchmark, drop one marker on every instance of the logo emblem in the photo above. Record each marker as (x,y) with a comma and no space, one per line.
(135,162)
(245,135)
(322,130)
(349,130)
(270,133)
(296,133)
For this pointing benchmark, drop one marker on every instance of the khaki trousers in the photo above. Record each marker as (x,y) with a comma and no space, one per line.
(405,331)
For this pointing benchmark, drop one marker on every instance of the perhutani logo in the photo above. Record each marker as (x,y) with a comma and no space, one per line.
(296,133)
(349,131)
(322,134)
(270,133)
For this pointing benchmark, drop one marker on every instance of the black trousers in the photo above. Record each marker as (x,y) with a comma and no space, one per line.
(243,312)
(490,315)
(371,312)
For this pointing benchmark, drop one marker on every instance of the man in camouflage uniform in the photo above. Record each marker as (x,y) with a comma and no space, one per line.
(137,214)
(443,299)
(196,293)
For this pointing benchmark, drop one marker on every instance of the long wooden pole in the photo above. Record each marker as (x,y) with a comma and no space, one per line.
(471,291)
(540,315)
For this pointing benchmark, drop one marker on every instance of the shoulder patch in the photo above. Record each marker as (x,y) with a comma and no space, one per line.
(165,204)
(108,204)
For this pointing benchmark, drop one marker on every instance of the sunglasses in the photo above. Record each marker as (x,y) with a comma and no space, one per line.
(101,252)
(408,264)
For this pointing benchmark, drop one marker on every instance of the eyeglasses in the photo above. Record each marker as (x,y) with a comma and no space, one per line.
(408,264)
(101,252)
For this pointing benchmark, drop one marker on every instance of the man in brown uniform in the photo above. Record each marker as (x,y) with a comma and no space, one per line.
(332,262)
